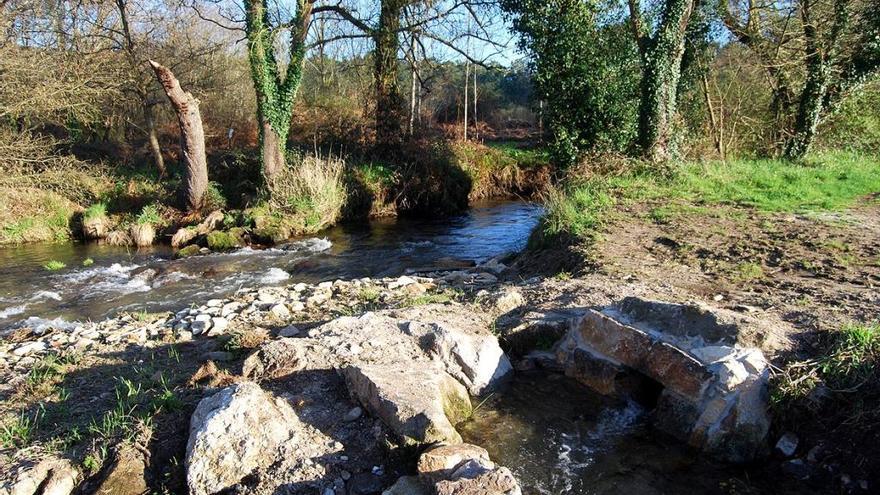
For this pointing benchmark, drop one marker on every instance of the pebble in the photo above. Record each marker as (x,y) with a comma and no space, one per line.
(787,444)
(289,331)
(353,414)
(280,311)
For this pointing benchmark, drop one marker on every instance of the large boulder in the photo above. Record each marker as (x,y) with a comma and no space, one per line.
(420,404)
(232,433)
(714,391)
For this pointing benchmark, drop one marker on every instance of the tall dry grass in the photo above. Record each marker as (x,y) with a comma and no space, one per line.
(310,192)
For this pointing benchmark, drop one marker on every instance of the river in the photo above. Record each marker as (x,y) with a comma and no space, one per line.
(126,279)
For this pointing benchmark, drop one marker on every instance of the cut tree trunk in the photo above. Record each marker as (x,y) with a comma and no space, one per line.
(192,136)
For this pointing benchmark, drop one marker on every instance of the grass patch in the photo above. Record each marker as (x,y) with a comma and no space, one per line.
(307,196)
(17,431)
(95,211)
(149,215)
(88,262)
(445,296)
(825,182)
(843,385)
(54,265)
(748,271)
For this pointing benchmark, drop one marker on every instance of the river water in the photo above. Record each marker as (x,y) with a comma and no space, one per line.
(125,279)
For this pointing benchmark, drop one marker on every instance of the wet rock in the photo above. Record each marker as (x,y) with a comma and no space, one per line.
(289,331)
(233,432)
(420,405)
(787,444)
(715,394)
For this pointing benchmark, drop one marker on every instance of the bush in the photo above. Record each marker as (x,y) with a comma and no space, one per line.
(309,195)
(149,216)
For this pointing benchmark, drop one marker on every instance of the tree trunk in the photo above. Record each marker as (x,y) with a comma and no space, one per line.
(389,102)
(192,137)
(273,151)
(467,76)
(661,69)
(153,139)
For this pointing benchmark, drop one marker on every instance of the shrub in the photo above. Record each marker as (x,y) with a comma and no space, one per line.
(311,194)
(149,216)
(54,265)
(95,211)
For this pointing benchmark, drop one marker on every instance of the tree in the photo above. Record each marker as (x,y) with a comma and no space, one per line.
(828,47)
(195,177)
(660,50)
(275,93)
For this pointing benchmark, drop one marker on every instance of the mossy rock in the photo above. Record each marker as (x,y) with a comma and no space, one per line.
(191,250)
(224,240)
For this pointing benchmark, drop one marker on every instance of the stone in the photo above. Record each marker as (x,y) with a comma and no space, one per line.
(715,394)
(401,282)
(353,414)
(232,433)
(475,359)
(474,479)
(407,485)
(52,476)
(280,311)
(30,348)
(787,444)
(184,336)
(201,324)
(420,405)
(230,308)
(509,300)
(442,461)
(126,476)
(218,326)
(218,356)
(289,331)
(214,303)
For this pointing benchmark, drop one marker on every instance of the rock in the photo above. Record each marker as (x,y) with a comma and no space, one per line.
(353,414)
(475,359)
(509,301)
(475,480)
(201,324)
(715,394)
(126,476)
(52,476)
(787,444)
(218,326)
(365,484)
(465,470)
(797,468)
(233,432)
(401,282)
(407,485)
(230,308)
(30,348)
(493,266)
(214,303)
(442,461)
(218,356)
(280,311)
(289,331)
(420,405)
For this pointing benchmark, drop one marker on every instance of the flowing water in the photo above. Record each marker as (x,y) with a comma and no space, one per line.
(124,279)
(560,437)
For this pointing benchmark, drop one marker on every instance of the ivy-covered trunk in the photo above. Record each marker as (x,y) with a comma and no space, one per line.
(389,102)
(661,69)
(821,52)
(275,94)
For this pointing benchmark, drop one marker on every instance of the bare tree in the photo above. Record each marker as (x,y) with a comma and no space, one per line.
(192,136)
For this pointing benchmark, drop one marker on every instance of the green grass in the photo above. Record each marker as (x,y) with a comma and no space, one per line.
(18,431)
(88,262)
(97,210)
(825,182)
(54,265)
(149,215)
(848,371)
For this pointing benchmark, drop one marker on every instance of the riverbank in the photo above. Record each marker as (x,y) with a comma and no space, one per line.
(121,205)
